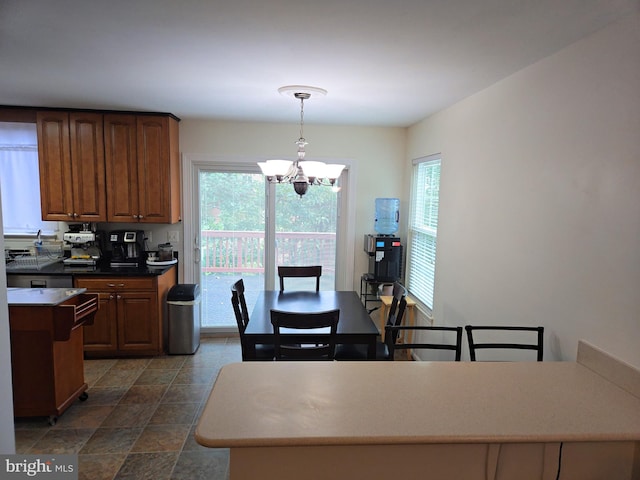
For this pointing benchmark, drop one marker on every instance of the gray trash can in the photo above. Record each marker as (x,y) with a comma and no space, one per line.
(183,301)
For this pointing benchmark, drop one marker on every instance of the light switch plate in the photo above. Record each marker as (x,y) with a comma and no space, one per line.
(173,236)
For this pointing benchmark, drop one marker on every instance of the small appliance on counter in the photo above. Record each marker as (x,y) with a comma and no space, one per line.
(163,257)
(127,248)
(86,246)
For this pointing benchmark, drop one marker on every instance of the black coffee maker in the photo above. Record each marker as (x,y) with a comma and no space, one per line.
(127,248)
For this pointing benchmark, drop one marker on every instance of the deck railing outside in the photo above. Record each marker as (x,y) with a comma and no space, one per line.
(243,252)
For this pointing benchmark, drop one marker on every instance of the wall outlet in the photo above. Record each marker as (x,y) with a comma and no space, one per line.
(173,236)
(148,235)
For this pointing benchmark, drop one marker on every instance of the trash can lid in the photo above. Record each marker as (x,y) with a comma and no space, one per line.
(184,292)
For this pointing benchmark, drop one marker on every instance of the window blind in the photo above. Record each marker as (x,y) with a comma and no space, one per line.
(423,229)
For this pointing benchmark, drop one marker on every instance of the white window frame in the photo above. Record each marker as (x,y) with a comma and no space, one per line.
(423,233)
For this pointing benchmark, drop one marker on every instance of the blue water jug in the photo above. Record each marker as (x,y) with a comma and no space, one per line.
(387,215)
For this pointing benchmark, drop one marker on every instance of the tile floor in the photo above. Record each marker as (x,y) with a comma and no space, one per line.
(139,420)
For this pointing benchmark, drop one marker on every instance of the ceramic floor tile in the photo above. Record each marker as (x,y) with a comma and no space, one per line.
(131,363)
(175,414)
(186,393)
(173,362)
(143,394)
(105,395)
(199,375)
(111,440)
(161,438)
(99,467)
(156,376)
(98,365)
(132,415)
(81,415)
(118,378)
(27,438)
(147,466)
(62,441)
(201,361)
(212,464)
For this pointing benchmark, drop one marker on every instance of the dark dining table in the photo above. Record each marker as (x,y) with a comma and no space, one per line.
(354,325)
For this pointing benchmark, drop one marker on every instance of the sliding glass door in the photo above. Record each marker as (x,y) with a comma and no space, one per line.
(232,226)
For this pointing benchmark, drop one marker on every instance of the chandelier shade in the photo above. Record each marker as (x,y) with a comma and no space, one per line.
(301,173)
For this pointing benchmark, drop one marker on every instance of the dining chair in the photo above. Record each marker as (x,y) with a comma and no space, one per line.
(394,318)
(300,272)
(451,339)
(295,323)
(507,338)
(263,351)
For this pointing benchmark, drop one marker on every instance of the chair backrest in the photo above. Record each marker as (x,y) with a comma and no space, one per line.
(300,271)
(475,344)
(396,309)
(239,306)
(454,345)
(298,348)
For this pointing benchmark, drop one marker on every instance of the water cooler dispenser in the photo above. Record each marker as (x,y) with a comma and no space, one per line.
(384,248)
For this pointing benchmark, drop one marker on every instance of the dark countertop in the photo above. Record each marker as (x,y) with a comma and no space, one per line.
(101,270)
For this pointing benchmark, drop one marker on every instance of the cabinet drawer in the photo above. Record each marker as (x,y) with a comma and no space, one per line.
(116,283)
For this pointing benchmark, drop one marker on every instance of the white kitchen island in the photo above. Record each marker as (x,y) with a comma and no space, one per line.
(466,420)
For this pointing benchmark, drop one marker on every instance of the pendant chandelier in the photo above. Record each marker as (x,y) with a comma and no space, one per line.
(301,173)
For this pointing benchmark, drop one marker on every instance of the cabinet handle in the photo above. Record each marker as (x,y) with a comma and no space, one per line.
(111,284)
(69,214)
(121,284)
(118,297)
(135,216)
(75,215)
(111,297)
(140,216)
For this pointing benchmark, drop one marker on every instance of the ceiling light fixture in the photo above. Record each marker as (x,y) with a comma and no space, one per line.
(301,173)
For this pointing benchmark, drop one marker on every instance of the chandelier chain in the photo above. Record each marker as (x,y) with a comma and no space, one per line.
(301,118)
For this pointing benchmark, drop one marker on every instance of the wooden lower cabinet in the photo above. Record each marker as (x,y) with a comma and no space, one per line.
(132,317)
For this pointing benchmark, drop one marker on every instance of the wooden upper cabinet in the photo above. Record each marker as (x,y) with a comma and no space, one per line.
(143,174)
(87,166)
(122,168)
(54,158)
(71,159)
(108,167)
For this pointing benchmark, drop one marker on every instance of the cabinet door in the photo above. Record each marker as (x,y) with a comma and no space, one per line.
(153,168)
(159,169)
(87,167)
(138,322)
(102,336)
(54,158)
(121,168)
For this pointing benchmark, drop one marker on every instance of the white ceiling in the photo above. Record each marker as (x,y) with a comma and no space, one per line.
(383,62)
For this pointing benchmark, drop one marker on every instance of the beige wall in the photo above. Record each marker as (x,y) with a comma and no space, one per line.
(540,198)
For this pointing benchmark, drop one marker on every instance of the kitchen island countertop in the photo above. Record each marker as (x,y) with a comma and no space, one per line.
(40,296)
